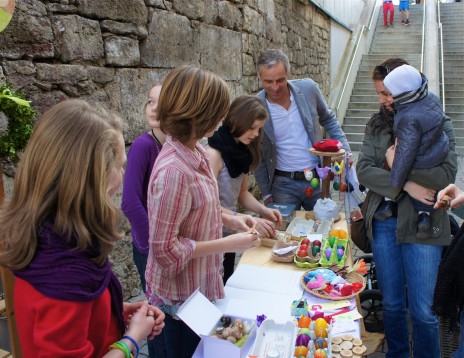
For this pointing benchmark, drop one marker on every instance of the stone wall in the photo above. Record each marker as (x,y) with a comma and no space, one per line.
(112,51)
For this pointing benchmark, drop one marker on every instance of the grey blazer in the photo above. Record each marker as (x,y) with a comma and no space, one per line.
(313,111)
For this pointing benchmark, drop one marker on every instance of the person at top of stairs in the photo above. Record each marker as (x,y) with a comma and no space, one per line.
(388,7)
(404,12)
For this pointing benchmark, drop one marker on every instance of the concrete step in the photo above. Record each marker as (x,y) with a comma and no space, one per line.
(363,106)
(358,120)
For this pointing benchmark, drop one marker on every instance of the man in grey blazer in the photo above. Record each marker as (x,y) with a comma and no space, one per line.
(297,110)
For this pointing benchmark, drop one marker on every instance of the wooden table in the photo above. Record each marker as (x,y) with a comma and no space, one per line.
(261,256)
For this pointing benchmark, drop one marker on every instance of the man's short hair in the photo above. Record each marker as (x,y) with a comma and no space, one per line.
(272,57)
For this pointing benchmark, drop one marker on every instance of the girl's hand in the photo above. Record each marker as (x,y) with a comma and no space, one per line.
(266,228)
(273,215)
(159,321)
(242,241)
(240,222)
(141,323)
(456,195)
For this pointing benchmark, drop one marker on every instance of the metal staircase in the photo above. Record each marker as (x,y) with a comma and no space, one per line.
(452,18)
(398,41)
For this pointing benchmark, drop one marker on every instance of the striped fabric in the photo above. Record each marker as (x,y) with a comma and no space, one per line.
(183,208)
(413,96)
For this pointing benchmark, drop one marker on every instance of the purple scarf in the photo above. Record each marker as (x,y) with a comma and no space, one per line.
(60,271)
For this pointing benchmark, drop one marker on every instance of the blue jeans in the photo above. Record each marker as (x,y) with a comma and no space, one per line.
(459,353)
(414,266)
(178,339)
(140,261)
(290,191)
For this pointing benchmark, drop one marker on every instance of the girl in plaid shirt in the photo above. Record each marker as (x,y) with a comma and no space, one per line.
(185,244)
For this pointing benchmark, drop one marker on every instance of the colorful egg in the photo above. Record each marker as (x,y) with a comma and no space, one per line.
(320,343)
(304,322)
(301,351)
(315,250)
(332,240)
(314,183)
(317,243)
(320,353)
(340,247)
(322,333)
(328,253)
(302,340)
(305,331)
(340,254)
(335,185)
(321,322)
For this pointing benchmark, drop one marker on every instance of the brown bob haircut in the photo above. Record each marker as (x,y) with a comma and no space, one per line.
(192,103)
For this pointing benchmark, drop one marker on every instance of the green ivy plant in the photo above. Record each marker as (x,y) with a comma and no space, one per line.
(20,117)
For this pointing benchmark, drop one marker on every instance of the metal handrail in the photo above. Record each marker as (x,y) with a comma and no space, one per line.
(423,39)
(442,57)
(353,56)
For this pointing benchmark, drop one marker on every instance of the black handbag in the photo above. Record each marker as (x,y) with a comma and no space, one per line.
(358,226)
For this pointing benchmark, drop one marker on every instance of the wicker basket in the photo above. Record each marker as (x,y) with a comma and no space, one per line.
(349,277)
(288,257)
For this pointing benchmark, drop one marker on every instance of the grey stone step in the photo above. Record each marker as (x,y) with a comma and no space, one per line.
(370,97)
(457,124)
(364,105)
(358,112)
(357,120)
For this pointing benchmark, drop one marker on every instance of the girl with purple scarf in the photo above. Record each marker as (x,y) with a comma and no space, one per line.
(57,232)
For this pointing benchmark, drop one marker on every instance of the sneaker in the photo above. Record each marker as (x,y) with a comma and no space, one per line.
(423,227)
(391,24)
(406,22)
(402,22)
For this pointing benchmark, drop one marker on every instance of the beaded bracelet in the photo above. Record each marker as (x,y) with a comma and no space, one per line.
(137,350)
(122,346)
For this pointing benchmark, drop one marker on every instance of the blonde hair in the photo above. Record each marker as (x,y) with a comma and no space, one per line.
(63,176)
(192,102)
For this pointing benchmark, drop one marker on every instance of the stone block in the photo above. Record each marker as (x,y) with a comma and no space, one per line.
(166,48)
(229,16)
(101,74)
(248,65)
(122,10)
(253,21)
(29,34)
(78,38)
(61,9)
(71,74)
(194,10)
(124,28)
(216,41)
(122,51)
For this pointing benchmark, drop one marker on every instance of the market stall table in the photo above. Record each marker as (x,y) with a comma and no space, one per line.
(261,256)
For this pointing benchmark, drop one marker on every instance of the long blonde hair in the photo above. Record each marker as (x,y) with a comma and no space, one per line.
(63,176)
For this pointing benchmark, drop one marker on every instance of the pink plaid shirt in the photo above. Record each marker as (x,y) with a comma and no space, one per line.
(183,208)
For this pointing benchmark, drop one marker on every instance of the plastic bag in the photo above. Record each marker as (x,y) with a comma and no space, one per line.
(325,209)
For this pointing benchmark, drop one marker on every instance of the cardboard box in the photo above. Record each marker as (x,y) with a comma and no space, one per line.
(275,340)
(286,210)
(203,317)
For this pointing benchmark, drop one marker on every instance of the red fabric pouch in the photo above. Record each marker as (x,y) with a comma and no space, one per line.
(328,145)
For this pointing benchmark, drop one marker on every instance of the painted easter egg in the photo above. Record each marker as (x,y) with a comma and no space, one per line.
(315,250)
(302,340)
(340,254)
(328,253)
(301,351)
(320,343)
(317,243)
(320,353)
(304,322)
(314,183)
(321,322)
(335,185)
(308,191)
(332,240)
(305,331)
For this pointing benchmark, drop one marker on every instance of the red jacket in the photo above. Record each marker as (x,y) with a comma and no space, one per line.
(50,327)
